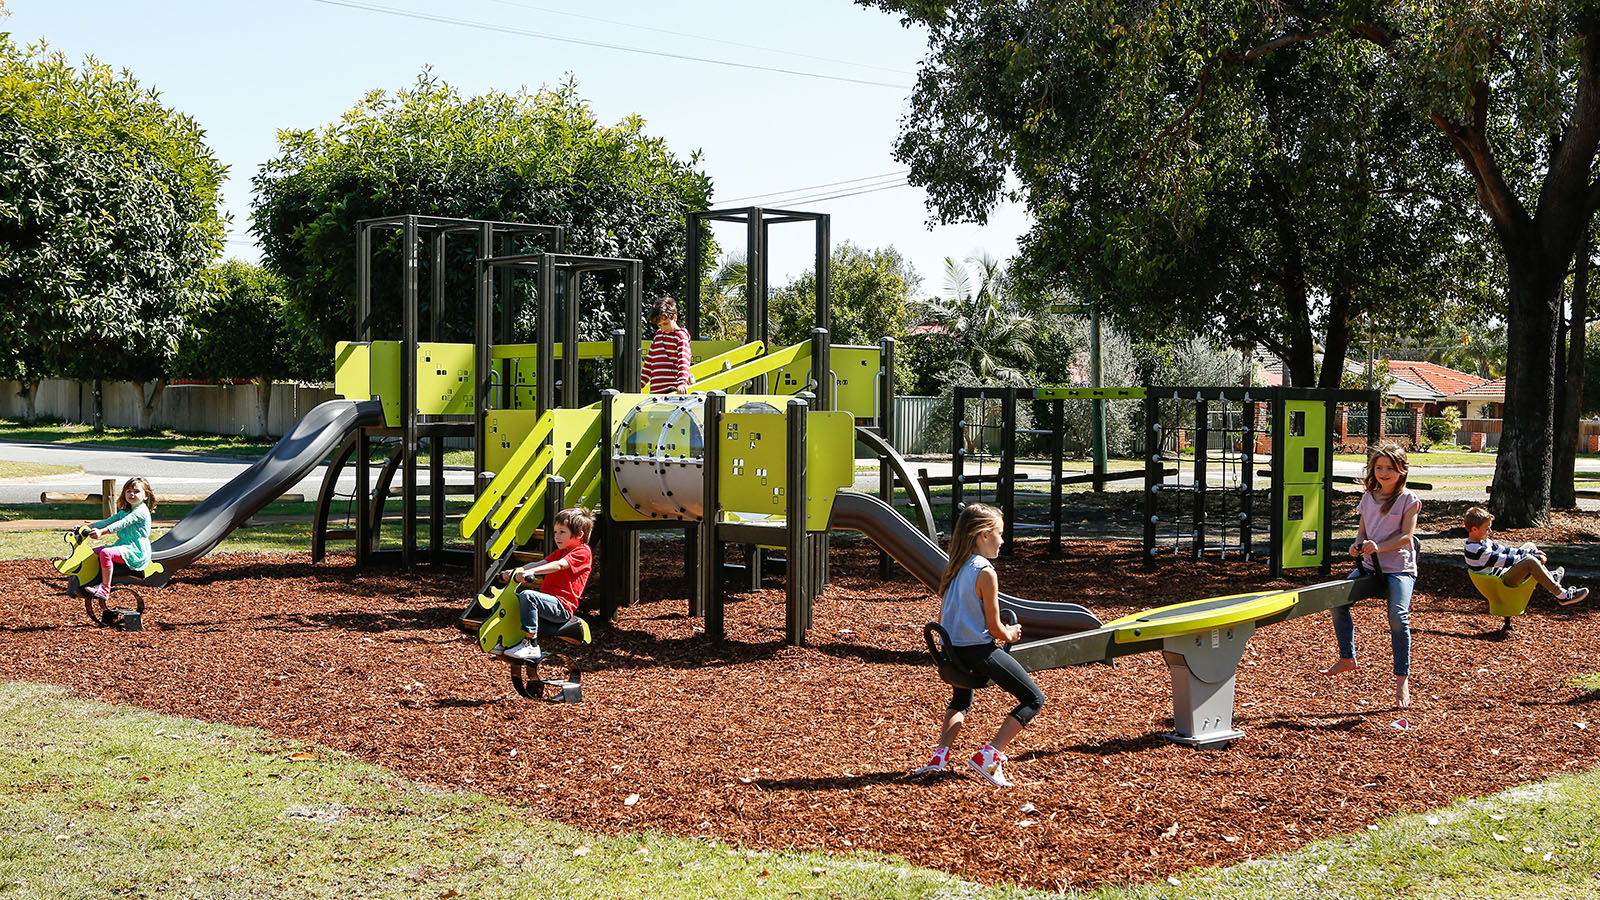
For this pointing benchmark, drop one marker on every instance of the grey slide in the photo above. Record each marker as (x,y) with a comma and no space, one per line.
(923,559)
(897,463)
(296,454)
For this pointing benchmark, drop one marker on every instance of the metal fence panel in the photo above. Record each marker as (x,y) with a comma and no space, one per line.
(910,421)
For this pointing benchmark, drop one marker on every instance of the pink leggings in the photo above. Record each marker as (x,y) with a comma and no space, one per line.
(109,557)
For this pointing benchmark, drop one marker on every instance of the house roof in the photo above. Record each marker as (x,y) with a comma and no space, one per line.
(1440,380)
(1487,392)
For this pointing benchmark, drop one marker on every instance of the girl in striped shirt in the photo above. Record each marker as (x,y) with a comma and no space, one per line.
(666,367)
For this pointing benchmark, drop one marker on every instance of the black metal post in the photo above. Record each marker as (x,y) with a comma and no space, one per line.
(1057,452)
(544,391)
(572,305)
(708,562)
(798,617)
(1202,426)
(408,393)
(886,426)
(1006,489)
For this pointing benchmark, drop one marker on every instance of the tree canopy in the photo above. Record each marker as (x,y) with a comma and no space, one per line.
(108,218)
(1136,127)
(870,290)
(537,158)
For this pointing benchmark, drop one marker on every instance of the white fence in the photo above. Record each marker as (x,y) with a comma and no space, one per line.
(199,408)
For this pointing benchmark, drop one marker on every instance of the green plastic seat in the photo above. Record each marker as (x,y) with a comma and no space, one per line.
(1504,600)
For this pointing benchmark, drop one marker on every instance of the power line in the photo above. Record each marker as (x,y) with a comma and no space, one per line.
(771,197)
(506,29)
(700,37)
(820,198)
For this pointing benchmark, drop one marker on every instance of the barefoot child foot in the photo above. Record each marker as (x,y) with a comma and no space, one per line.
(1402,691)
(1339,668)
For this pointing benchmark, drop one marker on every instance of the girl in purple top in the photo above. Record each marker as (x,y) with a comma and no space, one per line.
(1384,542)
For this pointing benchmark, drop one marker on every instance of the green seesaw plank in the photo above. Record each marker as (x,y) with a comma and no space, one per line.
(1200,615)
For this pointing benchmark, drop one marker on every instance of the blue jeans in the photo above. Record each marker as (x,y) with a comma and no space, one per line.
(539,607)
(1400,588)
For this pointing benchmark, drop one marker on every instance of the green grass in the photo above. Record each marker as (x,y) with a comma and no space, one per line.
(275,538)
(11,469)
(103,801)
(1434,458)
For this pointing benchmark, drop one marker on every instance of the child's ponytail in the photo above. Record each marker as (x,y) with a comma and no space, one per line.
(975,519)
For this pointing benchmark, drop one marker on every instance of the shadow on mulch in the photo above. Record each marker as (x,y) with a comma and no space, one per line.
(766,745)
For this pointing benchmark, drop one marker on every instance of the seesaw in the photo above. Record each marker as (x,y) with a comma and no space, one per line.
(1201,640)
(1505,601)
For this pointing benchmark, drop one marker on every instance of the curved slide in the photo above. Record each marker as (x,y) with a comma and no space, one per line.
(922,558)
(919,499)
(296,454)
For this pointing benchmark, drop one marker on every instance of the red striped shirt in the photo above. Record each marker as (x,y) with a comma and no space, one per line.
(667,365)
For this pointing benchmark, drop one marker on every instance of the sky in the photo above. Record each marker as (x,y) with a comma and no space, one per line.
(701,73)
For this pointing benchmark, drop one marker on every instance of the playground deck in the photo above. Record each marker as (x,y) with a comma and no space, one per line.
(758,743)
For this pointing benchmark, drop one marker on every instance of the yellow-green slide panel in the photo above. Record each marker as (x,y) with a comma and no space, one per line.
(352,370)
(830,462)
(855,379)
(444,379)
(386,379)
(738,375)
(752,464)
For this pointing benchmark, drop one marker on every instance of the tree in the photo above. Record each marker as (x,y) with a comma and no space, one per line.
(722,300)
(250,332)
(108,217)
(1513,90)
(870,290)
(539,158)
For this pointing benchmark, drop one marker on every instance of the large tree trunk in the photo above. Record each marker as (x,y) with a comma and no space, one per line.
(263,403)
(149,399)
(1337,341)
(28,391)
(1520,495)
(1569,383)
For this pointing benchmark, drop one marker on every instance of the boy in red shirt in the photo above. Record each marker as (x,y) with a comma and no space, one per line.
(566,572)
(666,366)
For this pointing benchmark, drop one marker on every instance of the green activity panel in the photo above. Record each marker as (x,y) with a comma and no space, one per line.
(752,464)
(352,370)
(444,379)
(855,379)
(830,462)
(505,429)
(385,381)
(1305,427)
(1200,615)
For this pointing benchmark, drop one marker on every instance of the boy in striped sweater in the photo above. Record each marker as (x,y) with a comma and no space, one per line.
(666,366)
(1513,565)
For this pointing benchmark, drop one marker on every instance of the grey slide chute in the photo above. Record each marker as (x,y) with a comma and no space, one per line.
(925,561)
(892,457)
(268,478)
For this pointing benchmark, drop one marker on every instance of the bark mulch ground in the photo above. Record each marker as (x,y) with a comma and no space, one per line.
(771,746)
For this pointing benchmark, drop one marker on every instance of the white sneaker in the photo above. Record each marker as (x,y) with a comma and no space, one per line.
(987,762)
(1558,574)
(527,651)
(941,756)
(1572,595)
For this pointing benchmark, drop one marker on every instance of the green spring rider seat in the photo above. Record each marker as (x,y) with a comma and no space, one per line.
(1504,600)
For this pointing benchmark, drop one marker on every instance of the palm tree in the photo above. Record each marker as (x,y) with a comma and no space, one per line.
(722,300)
(991,333)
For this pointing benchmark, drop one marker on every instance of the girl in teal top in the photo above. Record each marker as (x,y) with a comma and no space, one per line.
(132,527)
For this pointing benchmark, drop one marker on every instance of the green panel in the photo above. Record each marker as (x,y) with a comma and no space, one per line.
(752,464)
(792,378)
(1083,393)
(1305,441)
(386,379)
(506,477)
(830,463)
(352,370)
(505,429)
(444,379)
(523,379)
(1304,544)
(855,387)
(700,351)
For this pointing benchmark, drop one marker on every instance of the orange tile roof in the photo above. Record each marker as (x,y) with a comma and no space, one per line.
(1441,379)
(1494,391)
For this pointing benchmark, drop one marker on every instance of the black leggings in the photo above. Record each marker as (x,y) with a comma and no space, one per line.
(990,660)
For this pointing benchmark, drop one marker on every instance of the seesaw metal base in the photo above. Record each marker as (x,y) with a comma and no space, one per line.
(1203,667)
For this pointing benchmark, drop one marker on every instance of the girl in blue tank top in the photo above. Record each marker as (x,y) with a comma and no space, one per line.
(970,614)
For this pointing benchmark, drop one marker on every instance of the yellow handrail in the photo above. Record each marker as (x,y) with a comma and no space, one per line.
(724,361)
(761,366)
(507,475)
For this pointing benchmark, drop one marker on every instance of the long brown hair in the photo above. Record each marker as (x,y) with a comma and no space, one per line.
(149,494)
(1396,455)
(975,519)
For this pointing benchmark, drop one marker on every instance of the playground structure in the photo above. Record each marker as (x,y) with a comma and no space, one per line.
(1212,510)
